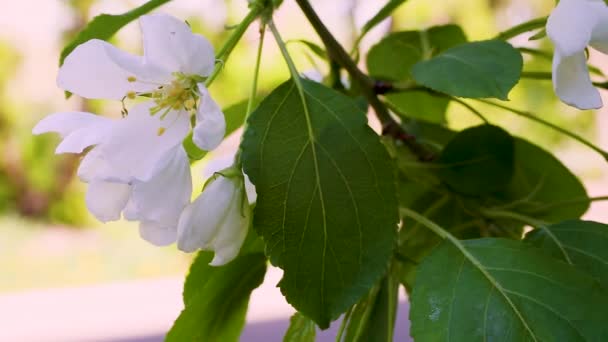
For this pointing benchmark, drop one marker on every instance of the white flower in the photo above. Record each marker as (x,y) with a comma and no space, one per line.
(175,60)
(218,220)
(136,166)
(572,26)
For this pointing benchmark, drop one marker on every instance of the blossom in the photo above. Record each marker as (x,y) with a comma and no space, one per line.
(174,63)
(218,220)
(131,169)
(572,26)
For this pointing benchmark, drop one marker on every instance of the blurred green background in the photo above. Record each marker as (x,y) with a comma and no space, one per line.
(47,238)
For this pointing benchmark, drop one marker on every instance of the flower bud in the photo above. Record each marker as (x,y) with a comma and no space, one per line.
(217,220)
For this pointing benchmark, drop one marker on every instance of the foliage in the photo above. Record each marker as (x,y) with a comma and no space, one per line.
(330,191)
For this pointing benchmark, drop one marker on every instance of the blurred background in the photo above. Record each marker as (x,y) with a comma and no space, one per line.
(66,277)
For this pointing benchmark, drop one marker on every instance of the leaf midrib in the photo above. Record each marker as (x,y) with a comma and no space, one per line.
(311,140)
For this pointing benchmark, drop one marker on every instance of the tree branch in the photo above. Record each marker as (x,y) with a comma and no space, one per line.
(336,52)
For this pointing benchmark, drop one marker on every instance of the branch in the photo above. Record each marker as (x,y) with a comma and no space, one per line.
(336,52)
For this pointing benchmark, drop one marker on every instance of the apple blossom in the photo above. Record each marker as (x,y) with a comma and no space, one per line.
(130,168)
(572,26)
(218,220)
(174,63)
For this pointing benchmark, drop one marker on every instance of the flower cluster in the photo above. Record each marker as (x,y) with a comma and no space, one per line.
(572,27)
(136,167)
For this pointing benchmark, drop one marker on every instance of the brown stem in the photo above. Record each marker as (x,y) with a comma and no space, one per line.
(336,52)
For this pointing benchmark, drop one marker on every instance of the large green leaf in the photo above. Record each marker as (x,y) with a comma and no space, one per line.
(582,243)
(301,329)
(104,26)
(478,160)
(326,204)
(504,290)
(395,55)
(477,70)
(216,298)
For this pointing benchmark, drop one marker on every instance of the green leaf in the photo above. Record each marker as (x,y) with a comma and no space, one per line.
(419,104)
(301,329)
(540,181)
(384,13)
(395,55)
(315,48)
(583,243)
(234,115)
(504,290)
(478,160)
(393,58)
(476,70)
(104,26)
(373,318)
(326,205)
(216,298)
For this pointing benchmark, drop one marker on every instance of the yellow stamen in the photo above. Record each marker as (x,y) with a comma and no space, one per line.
(131,79)
(161,131)
(131,95)
(189,104)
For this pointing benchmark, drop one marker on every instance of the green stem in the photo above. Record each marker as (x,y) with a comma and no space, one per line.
(502,214)
(337,53)
(531,25)
(569,202)
(234,38)
(537,75)
(254,91)
(545,75)
(529,221)
(536,52)
(566,132)
(345,320)
(470,108)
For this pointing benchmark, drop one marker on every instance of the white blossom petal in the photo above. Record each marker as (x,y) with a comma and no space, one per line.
(106,200)
(157,234)
(79,130)
(140,142)
(210,125)
(92,71)
(66,123)
(570,26)
(164,196)
(599,36)
(201,220)
(231,235)
(572,83)
(170,43)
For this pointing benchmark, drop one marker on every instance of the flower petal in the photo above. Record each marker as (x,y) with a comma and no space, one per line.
(139,144)
(231,235)
(157,234)
(78,129)
(201,220)
(571,81)
(66,123)
(170,43)
(210,123)
(106,200)
(570,26)
(599,36)
(92,71)
(164,196)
